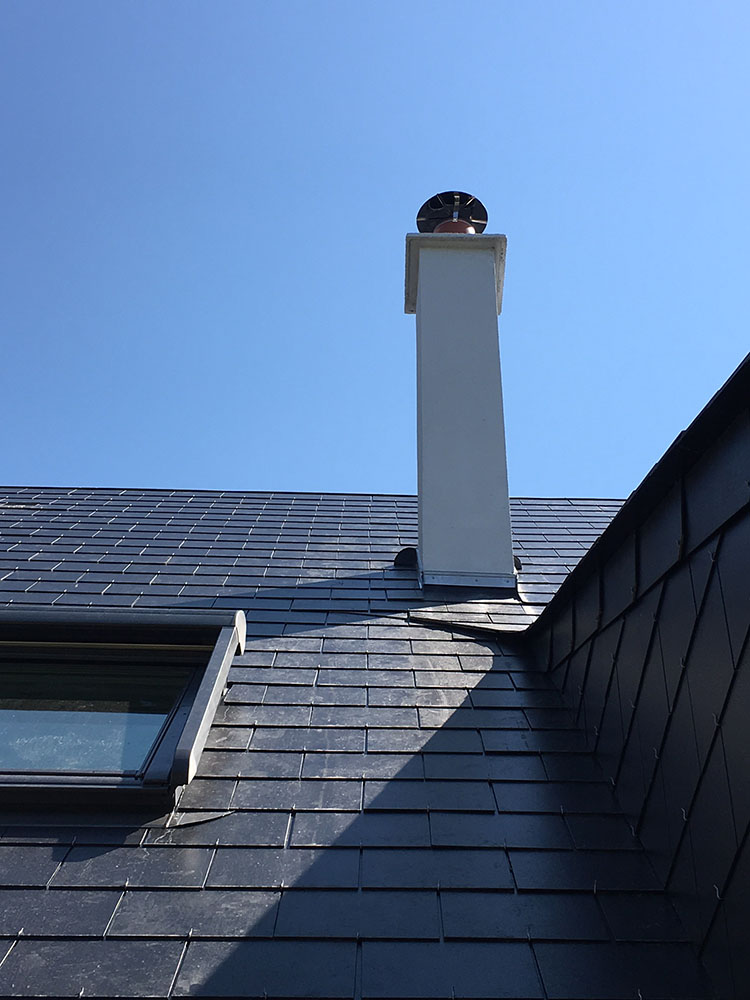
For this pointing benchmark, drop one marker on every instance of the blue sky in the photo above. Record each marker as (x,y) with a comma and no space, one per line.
(203,216)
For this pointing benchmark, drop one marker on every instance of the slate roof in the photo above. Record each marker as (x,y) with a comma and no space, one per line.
(390,805)
(299,554)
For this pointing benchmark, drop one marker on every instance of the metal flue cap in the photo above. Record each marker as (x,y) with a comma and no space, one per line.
(448,210)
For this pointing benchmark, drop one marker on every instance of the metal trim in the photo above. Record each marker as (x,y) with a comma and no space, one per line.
(195,731)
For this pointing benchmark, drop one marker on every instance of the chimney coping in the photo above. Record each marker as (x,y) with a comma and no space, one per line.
(456,241)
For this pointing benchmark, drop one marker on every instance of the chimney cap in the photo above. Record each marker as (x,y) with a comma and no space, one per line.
(452,205)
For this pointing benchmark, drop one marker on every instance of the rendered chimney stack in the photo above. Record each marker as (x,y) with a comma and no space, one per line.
(454,281)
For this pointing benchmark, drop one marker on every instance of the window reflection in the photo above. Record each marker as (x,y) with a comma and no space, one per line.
(85,717)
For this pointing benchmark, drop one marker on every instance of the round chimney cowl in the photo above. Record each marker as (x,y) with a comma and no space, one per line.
(452,212)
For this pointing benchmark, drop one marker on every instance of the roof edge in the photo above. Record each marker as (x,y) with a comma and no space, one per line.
(724,406)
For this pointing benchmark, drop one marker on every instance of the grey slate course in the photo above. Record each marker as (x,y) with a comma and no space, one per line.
(175,867)
(303,969)
(29,865)
(55,913)
(207,913)
(350,914)
(604,971)
(360,829)
(503,830)
(378,812)
(536,915)
(98,968)
(450,969)
(435,869)
(260,868)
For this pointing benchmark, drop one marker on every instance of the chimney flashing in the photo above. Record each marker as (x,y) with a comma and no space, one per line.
(456,241)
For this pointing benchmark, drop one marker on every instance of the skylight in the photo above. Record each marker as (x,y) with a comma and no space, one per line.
(105,701)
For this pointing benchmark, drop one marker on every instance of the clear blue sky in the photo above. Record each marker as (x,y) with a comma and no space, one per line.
(203,216)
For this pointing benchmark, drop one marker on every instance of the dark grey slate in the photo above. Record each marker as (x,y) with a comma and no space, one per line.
(268,969)
(73,968)
(446,970)
(538,915)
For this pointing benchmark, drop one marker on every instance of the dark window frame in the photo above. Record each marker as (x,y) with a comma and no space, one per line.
(206,640)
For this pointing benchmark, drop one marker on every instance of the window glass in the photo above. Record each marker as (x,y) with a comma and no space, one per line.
(95,717)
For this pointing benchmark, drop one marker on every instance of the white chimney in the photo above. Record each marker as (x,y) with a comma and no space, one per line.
(454,282)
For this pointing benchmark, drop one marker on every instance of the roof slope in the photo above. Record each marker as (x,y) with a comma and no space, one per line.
(297,553)
(385,809)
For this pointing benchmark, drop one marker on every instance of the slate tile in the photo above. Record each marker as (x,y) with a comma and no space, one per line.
(55,913)
(499,665)
(253,694)
(507,829)
(554,796)
(369,678)
(709,670)
(536,915)
(731,570)
(174,867)
(460,969)
(271,675)
(716,485)
(243,829)
(246,764)
(469,796)
(582,869)
(675,625)
(426,741)
(735,743)
(268,969)
(426,697)
(550,718)
(533,680)
(602,833)
(641,916)
(734,918)
(291,795)
(262,868)
(371,718)
(23,830)
(263,715)
(28,865)
(321,695)
(369,765)
(90,968)
(618,972)
(344,740)
(712,835)
(207,793)
(717,958)
(572,767)
(207,913)
(533,741)
(353,829)
(431,869)
(350,914)
(472,718)
(460,646)
(461,679)
(228,737)
(252,658)
(508,767)
(486,697)
(403,661)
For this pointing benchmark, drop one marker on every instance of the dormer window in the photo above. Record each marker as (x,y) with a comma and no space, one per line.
(109,702)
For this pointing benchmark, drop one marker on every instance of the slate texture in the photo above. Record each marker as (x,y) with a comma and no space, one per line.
(387,807)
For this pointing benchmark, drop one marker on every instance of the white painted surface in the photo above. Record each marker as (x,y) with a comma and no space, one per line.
(464,515)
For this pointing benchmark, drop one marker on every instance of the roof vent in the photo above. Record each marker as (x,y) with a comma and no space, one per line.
(452,212)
